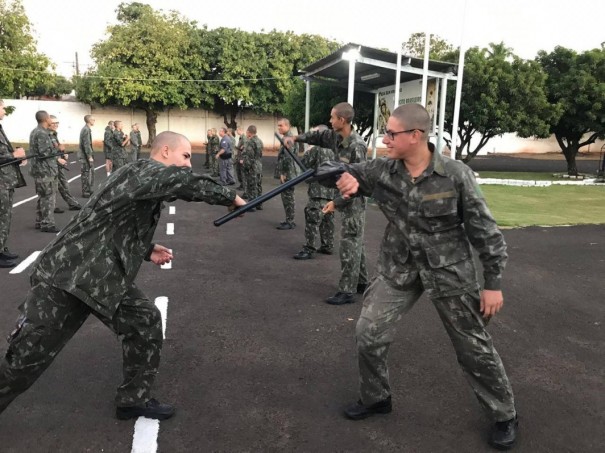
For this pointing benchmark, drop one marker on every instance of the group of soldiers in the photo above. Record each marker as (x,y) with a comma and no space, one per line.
(48,166)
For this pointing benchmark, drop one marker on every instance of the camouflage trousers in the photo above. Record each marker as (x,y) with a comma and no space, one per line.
(250,182)
(50,317)
(214,165)
(318,224)
(353,266)
(47,199)
(239,171)
(287,198)
(118,160)
(64,189)
(383,305)
(135,151)
(87,175)
(6,215)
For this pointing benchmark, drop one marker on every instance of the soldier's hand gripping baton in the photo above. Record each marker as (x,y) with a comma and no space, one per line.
(327,174)
(292,154)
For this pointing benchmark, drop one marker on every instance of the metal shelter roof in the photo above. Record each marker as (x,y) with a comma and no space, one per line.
(374,68)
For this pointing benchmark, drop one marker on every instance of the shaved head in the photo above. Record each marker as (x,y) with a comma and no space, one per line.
(172,140)
(413,116)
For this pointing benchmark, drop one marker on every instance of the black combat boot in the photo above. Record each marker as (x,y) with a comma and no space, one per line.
(340,298)
(151,409)
(303,255)
(504,434)
(358,411)
(7,263)
(6,253)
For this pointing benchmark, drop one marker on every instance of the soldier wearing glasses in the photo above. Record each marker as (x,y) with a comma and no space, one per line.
(435,212)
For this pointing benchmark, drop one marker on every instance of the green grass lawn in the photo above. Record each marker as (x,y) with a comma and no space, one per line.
(554,205)
(523,175)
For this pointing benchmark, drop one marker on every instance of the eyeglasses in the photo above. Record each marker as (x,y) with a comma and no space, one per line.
(392,134)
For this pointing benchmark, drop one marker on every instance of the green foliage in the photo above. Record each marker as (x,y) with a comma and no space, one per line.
(439,49)
(576,86)
(23,68)
(53,86)
(500,93)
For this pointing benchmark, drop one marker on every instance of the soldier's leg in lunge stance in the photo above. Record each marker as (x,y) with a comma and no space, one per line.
(49,318)
(476,354)
(383,305)
(138,324)
(326,231)
(351,247)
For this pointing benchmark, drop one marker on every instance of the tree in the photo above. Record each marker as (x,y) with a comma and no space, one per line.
(576,85)
(149,62)
(256,70)
(53,86)
(501,93)
(23,68)
(440,49)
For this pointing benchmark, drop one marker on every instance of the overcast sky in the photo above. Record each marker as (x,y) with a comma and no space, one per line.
(64,27)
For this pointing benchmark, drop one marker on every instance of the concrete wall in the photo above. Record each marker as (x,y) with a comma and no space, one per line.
(192,123)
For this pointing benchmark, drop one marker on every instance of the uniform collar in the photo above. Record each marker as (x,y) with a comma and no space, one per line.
(436,165)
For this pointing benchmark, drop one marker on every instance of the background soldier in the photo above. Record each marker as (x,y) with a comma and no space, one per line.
(214,148)
(10,179)
(241,144)
(348,147)
(285,171)
(45,173)
(135,141)
(225,157)
(207,143)
(316,222)
(119,140)
(107,139)
(62,183)
(435,211)
(91,270)
(85,156)
(252,166)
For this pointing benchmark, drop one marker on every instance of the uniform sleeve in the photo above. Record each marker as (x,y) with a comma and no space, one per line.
(323,139)
(483,232)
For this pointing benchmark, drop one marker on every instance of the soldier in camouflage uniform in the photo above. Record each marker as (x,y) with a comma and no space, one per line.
(316,222)
(119,140)
(107,139)
(348,147)
(135,142)
(85,156)
(214,143)
(90,268)
(207,143)
(285,171)
(45,173)
(252,166)
(63,184)
(239,149)
(436,211)
(10,179)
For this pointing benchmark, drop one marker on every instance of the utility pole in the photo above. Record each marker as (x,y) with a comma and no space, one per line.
(77,65)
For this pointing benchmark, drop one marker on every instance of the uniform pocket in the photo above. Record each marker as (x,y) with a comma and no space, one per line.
(439,214)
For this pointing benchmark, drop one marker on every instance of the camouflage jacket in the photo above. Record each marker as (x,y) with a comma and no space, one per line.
(97,256)
(351,149)
(241,145)
(40,144)
(215,144)
(252,152)
(117,138)
(85,150)
(107,140)
(10,175)
(285,164)
(313,158)
(135,140)
(432,224)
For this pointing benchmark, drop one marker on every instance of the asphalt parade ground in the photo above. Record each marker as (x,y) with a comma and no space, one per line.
(255,361)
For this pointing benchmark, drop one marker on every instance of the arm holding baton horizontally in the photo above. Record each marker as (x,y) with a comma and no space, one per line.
(327,174)
(18,160)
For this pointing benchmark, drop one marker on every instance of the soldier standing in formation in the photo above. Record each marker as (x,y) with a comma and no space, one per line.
(225,157)
(45,171)
(348,147)
(436,211)
(107,140)
(135,141)
(239,148)
(62,183)
(252,167)
(119,140)
(214,148)
(90,269)
(207,143)
(318,224)
(10,179)
(85,156)
(286,170)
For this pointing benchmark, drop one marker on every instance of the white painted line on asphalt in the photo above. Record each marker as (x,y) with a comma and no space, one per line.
(170,228)
(162,304)
(172,210)
(25,263)
(25,201)
(145,438)
(74,178)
